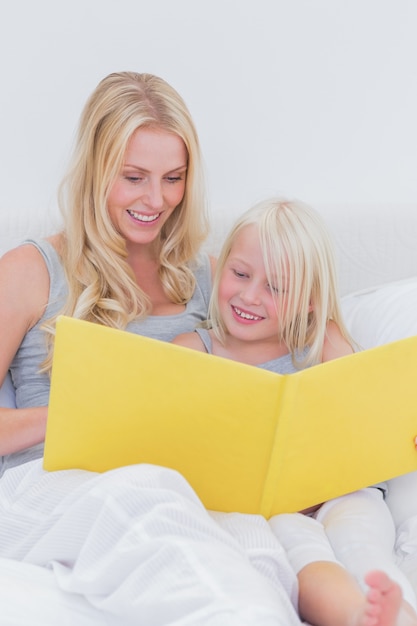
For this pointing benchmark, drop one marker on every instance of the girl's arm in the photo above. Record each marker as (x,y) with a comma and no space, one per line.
(335,345)
(24,289)
(192,340)
(189,340)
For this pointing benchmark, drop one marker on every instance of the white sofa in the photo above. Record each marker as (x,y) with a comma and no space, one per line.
(376,248)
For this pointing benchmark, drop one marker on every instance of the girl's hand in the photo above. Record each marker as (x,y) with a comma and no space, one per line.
(313,509)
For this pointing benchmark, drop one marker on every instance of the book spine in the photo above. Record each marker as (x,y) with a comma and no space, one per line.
(273,483)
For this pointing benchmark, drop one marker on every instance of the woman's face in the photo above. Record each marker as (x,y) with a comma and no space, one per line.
(149,186)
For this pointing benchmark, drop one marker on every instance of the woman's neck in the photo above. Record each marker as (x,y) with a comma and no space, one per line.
(145,266)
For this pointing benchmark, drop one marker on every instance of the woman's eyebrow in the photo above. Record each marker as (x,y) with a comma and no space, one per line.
(143,169)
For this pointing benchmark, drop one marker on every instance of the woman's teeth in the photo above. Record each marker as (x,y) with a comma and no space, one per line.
(143,218)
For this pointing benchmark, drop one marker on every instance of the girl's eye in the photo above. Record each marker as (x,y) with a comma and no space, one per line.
(133,179)
(239,274)
(173,179)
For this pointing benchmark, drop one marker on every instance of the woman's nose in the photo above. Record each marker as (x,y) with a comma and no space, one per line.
(154,196)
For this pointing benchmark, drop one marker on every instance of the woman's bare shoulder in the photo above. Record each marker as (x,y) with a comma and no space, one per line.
(24,283)
(24,257)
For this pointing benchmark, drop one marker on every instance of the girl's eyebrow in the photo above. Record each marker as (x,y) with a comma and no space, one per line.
(237,259)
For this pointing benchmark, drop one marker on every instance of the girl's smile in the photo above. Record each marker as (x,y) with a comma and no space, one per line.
(249,305)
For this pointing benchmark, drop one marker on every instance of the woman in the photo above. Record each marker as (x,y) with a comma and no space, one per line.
(134,219)
(132,230)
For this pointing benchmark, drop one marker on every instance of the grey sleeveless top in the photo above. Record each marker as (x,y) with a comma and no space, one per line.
(32,388)
(281,365)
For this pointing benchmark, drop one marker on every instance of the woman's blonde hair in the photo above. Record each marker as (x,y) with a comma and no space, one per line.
(299,261)
(102,287)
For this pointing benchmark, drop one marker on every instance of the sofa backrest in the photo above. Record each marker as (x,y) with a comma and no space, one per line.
(374,243)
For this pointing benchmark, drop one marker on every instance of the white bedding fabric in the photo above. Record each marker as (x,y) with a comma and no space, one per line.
(376,247)
(154,555)
(29,596)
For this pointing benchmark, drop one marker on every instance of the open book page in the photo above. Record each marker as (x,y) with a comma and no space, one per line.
(246,439)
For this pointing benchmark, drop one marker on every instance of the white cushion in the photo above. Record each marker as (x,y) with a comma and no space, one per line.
(381,315)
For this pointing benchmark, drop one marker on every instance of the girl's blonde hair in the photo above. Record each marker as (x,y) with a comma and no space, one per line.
(299,262)
(102,286)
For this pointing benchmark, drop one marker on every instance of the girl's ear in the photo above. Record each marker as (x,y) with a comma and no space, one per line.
(310,307)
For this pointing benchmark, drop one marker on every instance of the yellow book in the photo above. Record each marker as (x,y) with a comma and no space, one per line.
(246,439)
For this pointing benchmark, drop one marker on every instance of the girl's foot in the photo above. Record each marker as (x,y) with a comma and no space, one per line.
(383,600)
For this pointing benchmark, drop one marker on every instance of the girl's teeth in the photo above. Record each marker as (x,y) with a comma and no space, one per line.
(246,316)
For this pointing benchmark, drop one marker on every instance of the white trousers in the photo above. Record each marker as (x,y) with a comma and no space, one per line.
(139,545)
(356,531)
(402,502)
(361,531)
(303,539)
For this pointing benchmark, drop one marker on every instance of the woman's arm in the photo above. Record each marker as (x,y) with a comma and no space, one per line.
(24,289)
(21,428)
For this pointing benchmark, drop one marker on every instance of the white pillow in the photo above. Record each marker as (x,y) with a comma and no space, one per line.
(383,314)
(7,393)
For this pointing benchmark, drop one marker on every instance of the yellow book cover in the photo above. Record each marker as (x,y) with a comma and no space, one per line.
(246,439)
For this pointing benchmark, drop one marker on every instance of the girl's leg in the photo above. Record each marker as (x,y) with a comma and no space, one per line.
(328,593)
(402,502)
(361,532)
(329,596)
(402,498)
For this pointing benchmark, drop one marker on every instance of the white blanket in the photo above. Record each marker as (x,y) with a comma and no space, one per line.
(139,546)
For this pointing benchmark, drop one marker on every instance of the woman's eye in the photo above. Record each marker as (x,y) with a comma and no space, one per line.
(173,179)
(133,179)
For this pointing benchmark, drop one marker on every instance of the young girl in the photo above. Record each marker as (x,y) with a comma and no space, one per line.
(275,305)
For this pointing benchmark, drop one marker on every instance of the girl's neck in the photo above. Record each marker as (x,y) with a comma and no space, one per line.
(249,352)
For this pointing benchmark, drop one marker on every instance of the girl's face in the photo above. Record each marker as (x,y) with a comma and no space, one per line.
(249,305)
(149,186)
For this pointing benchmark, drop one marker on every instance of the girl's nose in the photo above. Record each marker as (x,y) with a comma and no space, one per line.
(250,294)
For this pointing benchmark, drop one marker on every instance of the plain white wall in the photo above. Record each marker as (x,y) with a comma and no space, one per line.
(311,98)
